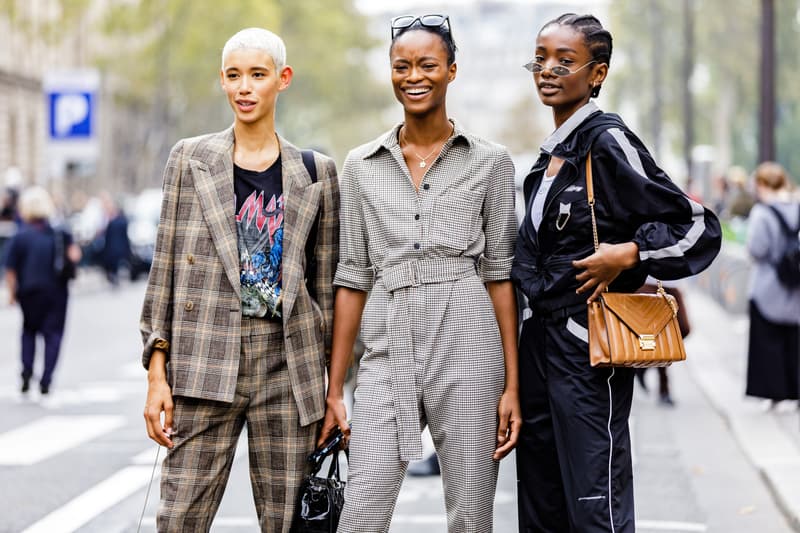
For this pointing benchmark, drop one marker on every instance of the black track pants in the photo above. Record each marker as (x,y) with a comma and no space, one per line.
(574,459)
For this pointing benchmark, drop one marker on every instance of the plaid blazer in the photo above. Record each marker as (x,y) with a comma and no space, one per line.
(193,292)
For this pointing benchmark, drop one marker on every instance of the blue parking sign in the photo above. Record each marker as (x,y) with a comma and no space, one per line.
(71,115)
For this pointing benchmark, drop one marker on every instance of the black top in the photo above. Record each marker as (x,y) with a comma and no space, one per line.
(259,226)
(31,255)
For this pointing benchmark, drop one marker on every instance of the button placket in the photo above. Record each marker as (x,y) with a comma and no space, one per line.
(418,230)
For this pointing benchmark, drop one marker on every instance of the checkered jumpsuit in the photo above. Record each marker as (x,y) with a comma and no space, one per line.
(433,353)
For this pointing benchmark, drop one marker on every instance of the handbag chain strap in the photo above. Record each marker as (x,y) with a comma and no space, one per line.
(590,194)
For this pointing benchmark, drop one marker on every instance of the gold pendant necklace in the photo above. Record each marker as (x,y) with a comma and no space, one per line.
(422,160)
(422,163)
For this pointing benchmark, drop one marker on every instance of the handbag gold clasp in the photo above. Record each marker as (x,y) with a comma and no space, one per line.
(647,342)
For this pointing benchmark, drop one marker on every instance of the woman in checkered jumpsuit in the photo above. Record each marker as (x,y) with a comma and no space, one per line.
(427,233)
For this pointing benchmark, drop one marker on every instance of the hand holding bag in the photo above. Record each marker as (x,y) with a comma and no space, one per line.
(321,498)
(633,330)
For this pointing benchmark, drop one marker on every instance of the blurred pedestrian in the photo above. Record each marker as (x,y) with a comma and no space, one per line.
(773,349)
(427,239)
(574,455)
(651,286)
(8,205)
(232,335)
(116,246)
(39,262)
(741,200)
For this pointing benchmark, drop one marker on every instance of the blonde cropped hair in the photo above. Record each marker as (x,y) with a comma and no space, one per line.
(35,204)
(258,39)
(772,175)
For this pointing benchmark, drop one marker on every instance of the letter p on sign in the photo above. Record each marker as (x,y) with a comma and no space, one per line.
(70,115)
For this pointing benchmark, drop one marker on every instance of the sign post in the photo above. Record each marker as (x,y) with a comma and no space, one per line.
(71,98)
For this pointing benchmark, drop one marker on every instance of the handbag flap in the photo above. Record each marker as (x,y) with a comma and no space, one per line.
(642,313)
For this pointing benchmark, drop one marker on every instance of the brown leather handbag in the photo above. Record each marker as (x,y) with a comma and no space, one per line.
(633,330)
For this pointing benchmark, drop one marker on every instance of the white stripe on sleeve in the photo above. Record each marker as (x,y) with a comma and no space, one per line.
(631,154)
(690,239)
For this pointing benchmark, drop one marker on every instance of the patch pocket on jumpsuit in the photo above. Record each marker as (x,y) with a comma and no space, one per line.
(563,215)
(578,330)
(454,221)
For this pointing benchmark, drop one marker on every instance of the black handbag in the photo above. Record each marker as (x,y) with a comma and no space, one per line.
(321,498)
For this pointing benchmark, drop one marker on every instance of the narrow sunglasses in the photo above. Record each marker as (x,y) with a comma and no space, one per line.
(557,70)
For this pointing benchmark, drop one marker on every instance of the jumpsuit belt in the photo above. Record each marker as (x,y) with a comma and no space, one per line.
(398,281)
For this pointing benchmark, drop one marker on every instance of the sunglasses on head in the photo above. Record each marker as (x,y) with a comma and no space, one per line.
(404,22)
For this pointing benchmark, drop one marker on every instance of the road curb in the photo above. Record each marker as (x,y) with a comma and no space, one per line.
(774,454)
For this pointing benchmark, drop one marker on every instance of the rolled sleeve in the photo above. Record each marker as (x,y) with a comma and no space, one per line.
(156,341)
(354,269)
(499,222)
(354,277)
(494,269)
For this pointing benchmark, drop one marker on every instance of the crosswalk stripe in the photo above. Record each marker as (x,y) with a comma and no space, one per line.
(51,435)
(94,501)
(666,525)
(420,519)
(219,521)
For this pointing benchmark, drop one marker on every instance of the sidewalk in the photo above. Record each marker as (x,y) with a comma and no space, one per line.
(718,362)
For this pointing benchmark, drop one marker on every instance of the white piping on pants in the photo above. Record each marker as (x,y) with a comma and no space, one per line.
(610,448)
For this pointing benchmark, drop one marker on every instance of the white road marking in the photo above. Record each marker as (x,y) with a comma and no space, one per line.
(420,519)
(148,456)
(219,521)
(665,525)
(88,393)
(94,501)
(52,435)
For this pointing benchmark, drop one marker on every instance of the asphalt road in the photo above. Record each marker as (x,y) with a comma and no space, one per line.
(80,460)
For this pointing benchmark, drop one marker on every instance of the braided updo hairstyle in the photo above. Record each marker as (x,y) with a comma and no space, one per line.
(596,38)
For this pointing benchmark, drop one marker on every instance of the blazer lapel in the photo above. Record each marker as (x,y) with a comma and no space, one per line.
(300,202)
(213,181)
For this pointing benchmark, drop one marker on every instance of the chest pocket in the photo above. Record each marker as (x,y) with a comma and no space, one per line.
(570,207)
(455,220)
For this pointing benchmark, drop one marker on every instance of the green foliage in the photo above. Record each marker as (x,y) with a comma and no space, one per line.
(28,19)
(170,62)
(727,59)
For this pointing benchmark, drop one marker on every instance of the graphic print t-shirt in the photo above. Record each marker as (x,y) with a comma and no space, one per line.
(259,226)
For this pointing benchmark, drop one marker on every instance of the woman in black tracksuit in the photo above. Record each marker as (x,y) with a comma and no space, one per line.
(573,458)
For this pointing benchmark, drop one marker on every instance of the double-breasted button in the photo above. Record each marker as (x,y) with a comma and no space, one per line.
(190,259)
(189,306)
(426,186)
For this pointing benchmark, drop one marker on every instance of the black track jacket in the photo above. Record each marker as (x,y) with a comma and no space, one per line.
(634,201)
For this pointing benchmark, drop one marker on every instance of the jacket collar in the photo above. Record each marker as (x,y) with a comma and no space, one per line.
(570,125)
(214,185)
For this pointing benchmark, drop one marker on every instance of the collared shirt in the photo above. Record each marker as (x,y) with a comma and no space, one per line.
(569,125)
(464,207)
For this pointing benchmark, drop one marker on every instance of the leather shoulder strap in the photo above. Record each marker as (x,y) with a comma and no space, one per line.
(308,162)
(311,242)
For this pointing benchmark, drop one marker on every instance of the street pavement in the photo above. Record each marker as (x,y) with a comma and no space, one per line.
(80,460)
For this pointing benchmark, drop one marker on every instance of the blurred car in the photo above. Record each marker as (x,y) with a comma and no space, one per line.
(143,212)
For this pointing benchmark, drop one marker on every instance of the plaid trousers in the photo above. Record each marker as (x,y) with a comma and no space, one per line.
(196,469)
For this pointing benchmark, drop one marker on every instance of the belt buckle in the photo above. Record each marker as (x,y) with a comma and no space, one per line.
(415,274)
